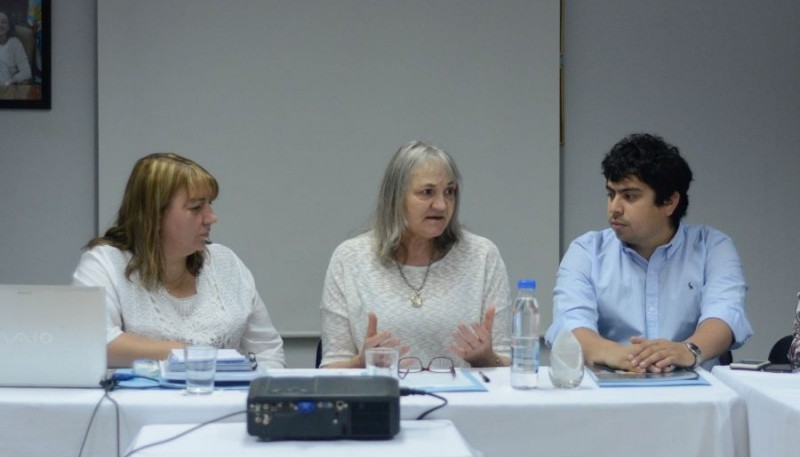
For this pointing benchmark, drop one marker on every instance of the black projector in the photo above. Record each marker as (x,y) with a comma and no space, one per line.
(323,408)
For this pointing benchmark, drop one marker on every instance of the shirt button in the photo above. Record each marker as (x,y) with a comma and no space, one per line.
(651,309)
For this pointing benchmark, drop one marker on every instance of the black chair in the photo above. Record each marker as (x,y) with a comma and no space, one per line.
(726,358)
(319,354)
(780,350)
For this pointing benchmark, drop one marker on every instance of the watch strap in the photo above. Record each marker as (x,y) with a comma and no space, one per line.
(696,352)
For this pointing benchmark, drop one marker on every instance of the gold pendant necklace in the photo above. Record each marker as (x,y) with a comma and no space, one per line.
(416,299)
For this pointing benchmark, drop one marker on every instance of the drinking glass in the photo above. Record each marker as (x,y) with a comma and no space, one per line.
(201,364)
(381,361)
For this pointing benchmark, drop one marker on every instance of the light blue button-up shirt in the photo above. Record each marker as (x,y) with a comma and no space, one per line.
(606,286)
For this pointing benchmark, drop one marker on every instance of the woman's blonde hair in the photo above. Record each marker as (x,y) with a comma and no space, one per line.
(153,182)
(388,222)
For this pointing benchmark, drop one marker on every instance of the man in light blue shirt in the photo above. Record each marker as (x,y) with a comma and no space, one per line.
(650,293)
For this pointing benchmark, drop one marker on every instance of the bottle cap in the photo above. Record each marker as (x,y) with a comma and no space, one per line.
(526,284)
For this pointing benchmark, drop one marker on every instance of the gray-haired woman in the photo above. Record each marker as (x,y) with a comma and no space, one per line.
(436,289)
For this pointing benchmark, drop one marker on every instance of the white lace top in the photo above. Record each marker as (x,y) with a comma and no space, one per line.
(459,289)
(226,312)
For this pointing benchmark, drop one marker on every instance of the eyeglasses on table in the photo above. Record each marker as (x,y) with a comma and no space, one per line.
(408,365)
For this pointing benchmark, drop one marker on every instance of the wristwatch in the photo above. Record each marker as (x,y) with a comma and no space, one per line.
(696,352)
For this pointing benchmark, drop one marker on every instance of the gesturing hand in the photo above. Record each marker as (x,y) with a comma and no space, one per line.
(374,339)
(474,343)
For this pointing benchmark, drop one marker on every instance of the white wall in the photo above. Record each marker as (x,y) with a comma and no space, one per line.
(300,109)
(718,78)
(48,160)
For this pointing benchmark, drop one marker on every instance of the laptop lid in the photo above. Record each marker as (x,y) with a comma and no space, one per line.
(52,336)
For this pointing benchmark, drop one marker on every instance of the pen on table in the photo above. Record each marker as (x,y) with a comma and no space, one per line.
(485,378)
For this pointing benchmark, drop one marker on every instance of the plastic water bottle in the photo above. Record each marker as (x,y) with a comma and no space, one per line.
(525,337)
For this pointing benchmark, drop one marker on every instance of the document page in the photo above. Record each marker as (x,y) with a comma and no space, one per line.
(463,381)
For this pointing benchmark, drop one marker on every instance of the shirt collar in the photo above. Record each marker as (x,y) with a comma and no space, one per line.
(665,250)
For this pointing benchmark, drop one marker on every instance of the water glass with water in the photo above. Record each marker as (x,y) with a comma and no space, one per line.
(201,365)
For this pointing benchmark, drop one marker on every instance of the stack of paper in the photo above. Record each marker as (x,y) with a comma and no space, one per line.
(227,360)
(231,367)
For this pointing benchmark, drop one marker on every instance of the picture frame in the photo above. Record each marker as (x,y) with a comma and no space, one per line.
(25,84)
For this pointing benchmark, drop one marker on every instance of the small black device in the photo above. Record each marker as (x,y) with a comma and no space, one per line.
(781,368)
(753,365)
(323,408)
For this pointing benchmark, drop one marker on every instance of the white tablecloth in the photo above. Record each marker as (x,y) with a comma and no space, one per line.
(773,409)
(430,438)
(686,421)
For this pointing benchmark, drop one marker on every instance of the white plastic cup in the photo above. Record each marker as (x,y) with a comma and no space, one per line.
(381,361)
(566,361)
(201,365)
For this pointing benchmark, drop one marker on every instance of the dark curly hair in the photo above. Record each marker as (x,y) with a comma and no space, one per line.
(656,163)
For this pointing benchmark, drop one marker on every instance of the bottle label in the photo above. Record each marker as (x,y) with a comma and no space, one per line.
(525,354)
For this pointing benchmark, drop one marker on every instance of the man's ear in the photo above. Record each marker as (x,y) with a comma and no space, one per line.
(671,203)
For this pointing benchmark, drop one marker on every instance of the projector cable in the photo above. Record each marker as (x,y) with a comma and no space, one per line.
(108,385)
(183,433)
(404,392)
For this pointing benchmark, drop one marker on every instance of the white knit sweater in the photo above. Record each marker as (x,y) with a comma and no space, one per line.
(459,289)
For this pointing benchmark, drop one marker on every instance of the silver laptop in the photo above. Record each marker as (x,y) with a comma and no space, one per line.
(52,336)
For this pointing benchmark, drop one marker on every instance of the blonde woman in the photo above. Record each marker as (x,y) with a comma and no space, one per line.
(166,284)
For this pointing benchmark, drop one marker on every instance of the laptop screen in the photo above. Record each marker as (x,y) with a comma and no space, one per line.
(52,336)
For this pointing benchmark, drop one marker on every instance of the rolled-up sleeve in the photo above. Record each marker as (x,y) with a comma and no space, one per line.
(725,288)
(574,297)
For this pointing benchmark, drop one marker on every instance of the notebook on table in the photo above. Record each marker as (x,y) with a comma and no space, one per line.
(52,336)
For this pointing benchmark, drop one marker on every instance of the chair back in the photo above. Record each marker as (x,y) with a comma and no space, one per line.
(726,358)
(780,350)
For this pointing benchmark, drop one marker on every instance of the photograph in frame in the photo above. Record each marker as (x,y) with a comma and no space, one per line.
(25,54)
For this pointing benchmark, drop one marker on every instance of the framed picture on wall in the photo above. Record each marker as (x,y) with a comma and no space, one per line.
(25,54)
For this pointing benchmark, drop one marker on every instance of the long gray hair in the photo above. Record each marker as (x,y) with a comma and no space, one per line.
(389,222)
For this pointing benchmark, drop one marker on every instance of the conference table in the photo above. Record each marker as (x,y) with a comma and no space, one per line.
(427,438)
(681,421)
(773,409)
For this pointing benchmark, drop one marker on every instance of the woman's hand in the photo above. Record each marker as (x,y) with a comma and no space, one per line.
(474,343)
(373,339)
(376,339)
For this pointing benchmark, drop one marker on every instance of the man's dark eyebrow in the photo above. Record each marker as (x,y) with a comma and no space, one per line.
(624,189)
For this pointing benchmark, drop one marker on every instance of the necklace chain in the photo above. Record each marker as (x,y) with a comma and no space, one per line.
(416,299)
(176,284)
